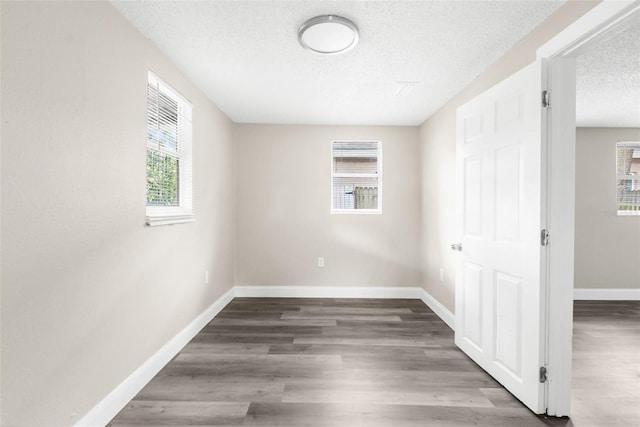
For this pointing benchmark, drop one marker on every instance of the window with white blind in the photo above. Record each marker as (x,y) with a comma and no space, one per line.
(169,178)
(628,177)
(356,177)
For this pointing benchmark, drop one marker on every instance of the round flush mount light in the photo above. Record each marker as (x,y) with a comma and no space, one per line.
(328,34)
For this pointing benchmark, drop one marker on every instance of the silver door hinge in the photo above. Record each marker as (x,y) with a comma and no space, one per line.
(543,374)
(544,237)
(546,99)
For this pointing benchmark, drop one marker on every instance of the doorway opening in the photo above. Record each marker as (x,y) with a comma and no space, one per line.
(607,231)
(600,24)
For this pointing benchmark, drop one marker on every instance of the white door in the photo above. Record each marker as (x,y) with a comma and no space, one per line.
(499,296)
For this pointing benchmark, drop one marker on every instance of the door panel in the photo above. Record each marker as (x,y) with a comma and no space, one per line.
(508,321)
(507,202)
(473,127)
(509,110)
(499,321)
(473,196)
(473,302)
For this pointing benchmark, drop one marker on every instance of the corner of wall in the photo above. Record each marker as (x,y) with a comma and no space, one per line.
(437,140)
(1,334)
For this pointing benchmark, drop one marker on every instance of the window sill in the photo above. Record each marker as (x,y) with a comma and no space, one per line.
(629,213)
(356,212)
(169,219)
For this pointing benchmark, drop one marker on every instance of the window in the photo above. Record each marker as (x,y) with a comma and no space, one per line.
(356,177)
(168,155)
(628,177)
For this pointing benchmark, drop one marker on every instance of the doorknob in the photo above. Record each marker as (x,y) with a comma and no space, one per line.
(457,247)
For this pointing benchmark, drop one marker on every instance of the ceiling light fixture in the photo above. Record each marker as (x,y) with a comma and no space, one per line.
(328,34)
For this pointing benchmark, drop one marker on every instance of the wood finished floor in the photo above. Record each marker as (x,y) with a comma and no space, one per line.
(329,362)
(606,364)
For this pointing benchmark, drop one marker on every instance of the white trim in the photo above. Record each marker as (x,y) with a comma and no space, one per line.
(443,312)
(599,20)
(627,213)
(154,79)
(377,211)
(559,130)
(327,292)
(169,219)
(117,399)
(604,294)
(165,215)
(559,216)
(409,292)
(356,211)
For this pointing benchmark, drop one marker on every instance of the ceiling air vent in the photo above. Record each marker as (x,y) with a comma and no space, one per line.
(403,89)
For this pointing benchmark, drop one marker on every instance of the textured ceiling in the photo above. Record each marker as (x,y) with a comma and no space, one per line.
(245,55)
(608,81)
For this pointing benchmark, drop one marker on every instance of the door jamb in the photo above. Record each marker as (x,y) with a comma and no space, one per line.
(558,133)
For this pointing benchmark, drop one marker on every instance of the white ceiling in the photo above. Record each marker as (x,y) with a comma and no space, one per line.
(608,81)
(245,54)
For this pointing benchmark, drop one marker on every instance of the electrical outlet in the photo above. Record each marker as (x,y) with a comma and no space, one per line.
(320,261)
(206,277)
(442,274)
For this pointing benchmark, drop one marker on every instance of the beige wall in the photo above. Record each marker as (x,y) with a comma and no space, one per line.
(89,292)
(437,144)
(1,422)
(607,246)
(283,210)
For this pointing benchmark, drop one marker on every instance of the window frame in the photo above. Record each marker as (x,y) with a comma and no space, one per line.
(183,212)
(620,177)
(378,175)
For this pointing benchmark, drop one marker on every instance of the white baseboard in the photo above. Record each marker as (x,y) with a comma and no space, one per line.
(349,292)
(443,312)
(326,292)
(619,294)
(113,403)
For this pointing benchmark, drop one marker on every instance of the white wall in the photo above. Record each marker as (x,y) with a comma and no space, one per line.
(607,246)
(437,145)
(88,291)
(283,210)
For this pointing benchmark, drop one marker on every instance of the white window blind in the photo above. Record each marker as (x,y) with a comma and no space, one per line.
(356,176)
(169,162)
(628,177)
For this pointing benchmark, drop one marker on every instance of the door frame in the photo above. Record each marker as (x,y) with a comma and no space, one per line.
(558,176)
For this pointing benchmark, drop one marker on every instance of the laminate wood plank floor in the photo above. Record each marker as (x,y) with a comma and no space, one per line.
(606,364)
(330,362)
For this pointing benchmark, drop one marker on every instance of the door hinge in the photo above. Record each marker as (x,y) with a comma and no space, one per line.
(546,99)
(544,237)
(543,374)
